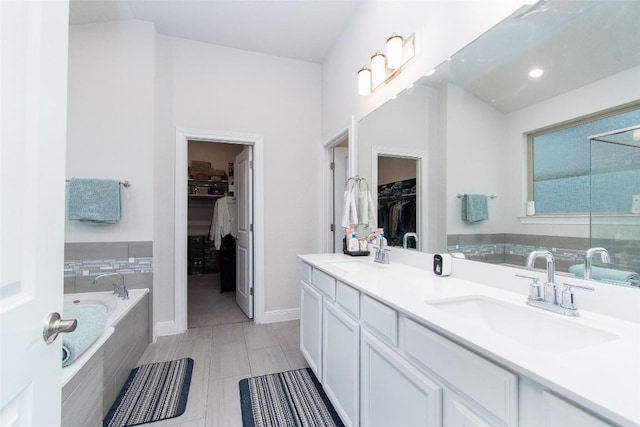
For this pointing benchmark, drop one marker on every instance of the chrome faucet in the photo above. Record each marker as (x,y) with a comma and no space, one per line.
(588,260)
(548,299)
(550,293)
(120,290)
(405,239)
(382,255)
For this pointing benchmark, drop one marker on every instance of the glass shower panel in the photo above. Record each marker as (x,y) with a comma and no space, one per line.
(615,199)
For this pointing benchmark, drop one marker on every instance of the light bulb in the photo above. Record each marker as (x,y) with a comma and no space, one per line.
(378,69)
(536,73)
(364,81)
(394,51)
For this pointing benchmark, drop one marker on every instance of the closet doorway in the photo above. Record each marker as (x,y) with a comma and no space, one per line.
(219,233)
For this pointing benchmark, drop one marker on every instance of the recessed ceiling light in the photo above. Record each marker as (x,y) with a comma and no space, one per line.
(536,73)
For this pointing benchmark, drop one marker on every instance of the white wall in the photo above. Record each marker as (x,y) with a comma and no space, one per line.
(222,89)
(441,27)
(475,159)
(110,122)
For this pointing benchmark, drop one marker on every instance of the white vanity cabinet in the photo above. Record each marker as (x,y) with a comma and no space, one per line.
(330,339)
(490,392)
(340,362)
(311,327)
(559,413)
(394,393)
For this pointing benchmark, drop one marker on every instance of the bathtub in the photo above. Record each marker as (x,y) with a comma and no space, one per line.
(116,309)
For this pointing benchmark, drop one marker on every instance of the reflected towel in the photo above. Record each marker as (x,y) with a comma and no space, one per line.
(91,321)
(610,274)
(474,208)
(350,211)
(94,200)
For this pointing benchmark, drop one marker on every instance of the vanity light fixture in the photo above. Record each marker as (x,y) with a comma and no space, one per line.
(536,73)
(364,81)
(386,67)
(394,51)
(378,68)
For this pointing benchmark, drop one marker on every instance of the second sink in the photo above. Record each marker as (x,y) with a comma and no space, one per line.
(542,331)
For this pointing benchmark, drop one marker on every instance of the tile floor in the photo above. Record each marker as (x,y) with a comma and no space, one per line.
(207,306)
(223,354)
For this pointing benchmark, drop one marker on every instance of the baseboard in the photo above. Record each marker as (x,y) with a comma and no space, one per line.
(281,315)
(161,329)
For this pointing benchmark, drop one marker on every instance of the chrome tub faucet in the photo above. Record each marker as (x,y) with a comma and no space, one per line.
(588,260)
(118,289)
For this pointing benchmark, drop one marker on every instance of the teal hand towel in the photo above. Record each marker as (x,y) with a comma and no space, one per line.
(91,321)
(94,200)
(610,274)
(475,208)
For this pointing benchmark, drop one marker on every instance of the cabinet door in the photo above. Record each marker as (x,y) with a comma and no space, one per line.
(311,328)
(458,413)
(394,393)
(341,362)
(558,413)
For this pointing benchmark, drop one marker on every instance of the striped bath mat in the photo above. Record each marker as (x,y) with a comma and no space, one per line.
(153,392)
(292,398)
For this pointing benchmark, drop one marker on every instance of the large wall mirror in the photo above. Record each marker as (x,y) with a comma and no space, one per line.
(475,117)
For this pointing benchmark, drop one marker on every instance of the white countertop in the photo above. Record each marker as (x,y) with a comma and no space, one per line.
(603,377)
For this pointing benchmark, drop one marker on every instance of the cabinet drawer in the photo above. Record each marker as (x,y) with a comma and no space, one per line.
(348,299)
(305,272)
(488,385)
(380,319)
(325,283)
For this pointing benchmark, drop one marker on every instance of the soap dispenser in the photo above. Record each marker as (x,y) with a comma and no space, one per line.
(442,264)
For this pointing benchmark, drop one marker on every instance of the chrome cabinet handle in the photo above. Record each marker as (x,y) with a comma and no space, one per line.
(55,325)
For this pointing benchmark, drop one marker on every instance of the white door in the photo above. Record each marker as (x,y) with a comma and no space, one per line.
(33,88)
(341,163)
(243,181)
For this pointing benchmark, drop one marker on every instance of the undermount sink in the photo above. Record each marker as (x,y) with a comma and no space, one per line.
(539,330)
(357,266)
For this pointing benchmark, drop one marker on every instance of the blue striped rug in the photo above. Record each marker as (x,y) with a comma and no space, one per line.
(153,392)
(292,398)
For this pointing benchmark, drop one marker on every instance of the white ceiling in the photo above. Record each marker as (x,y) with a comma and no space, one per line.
(302,29)
(576,42)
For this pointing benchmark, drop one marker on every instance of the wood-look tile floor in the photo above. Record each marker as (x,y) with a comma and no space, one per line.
(223,355)
(207,306)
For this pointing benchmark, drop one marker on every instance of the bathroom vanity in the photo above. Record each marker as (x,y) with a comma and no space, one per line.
(397,345)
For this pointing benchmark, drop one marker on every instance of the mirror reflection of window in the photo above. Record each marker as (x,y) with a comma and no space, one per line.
(397,189)
(561,167)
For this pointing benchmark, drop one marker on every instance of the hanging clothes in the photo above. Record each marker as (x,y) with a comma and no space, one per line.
(223,221)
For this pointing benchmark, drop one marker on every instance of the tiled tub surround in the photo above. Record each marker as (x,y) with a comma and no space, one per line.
(504,248)
(84,261)
(87,397)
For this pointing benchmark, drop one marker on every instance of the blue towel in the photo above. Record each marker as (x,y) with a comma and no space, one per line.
(474,208)
(91,320)
(94,200)
(611,274)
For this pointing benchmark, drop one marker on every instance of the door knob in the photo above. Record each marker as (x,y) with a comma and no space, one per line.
(55,325)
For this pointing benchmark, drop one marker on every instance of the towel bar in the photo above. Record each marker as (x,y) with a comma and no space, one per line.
(491,196)
(125,184)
